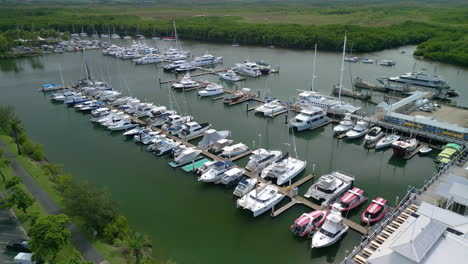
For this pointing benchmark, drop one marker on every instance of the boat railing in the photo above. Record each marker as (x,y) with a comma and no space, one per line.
(405,202)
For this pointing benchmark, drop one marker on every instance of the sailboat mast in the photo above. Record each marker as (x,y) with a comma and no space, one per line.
(178,46)
(313,69)
(342,69)
(61,77)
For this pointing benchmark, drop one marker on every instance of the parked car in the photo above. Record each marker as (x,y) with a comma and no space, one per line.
(19,245)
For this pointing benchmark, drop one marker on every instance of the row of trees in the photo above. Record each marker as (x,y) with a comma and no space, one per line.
(88,203)
(449,47)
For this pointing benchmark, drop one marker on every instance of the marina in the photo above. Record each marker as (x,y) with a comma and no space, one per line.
(274,138)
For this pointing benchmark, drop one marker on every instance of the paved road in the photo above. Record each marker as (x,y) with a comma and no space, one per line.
(78,238)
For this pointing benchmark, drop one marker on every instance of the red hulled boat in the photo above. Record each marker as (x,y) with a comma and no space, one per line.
(352,199)
(376,211)
(307,223)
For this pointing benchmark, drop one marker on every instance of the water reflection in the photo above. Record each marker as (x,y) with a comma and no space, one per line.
(17,65)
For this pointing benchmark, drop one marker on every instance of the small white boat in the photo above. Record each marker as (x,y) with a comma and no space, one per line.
(206,59)
(260,199)
(245,186)
(136,131)
(331,231)
(284,169)
(123,125)
(403,147)
(374,134)
(167,147)
(270,108)
(367,60)
(345,125)
(386,63)
(351,59)
(234,150)
(387,141)
(230,75)
(248,68)
(359,130)
(192,129)
(211,90)
(261,158)
(425,150)
(220,145)
(185,83)
(232,175)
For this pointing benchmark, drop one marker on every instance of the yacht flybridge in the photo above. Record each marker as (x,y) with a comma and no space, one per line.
(248,68)
(284,169)
(329,187)
(270,108)
(332,105)
(261,158)
(206,59)
(260,199)
(309,118)
(331,231)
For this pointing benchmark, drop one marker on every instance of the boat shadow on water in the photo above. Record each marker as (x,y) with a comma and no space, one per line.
(397,161)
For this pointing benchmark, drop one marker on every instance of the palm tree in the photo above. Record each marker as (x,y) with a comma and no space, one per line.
(138,246)
(17,129)
(3,163)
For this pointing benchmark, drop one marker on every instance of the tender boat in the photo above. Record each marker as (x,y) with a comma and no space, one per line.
(234,150)
(425,150)
(375,211)
(215,173)
(329,187)
(232,175)
(359,130)
(345,125)
(331,231)
(244,187)
(192,129)
(211,90)
(403,147)
(220,145)
(387,141)
(185,83)
(230,75)
(261,158)
(270,108)
(367,60)
(284,169)
(309,118)
(239,96)
(187,156)
(260,199)
(307,223)
(351,59)
(386,63)
(373,135)
(352,199)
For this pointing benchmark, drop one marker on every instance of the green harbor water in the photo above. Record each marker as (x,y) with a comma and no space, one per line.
(192,222)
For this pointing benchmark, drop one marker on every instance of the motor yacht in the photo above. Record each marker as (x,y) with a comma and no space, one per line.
(150,59)
(345,125)
(219,145)
(187,67)
(245,186)
(359,130)
(309,118)
(211,136)
(331,231)
(192,129)
(374,135)
(261,158)
(260,199)
(248,68)
(329,187)
(420,79)
(307,223)
(185,83)
(204,168)
(122,125)
(216,171)
(284,169)
(230,75)
(270,108)
(136,131)
(211,90)
(99,113)
(206,59)
(403,147)
(234,150)
(387,141)
(232,175)
(167,147)
(187,156)
(172,66)
(331,105)
(375,211)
